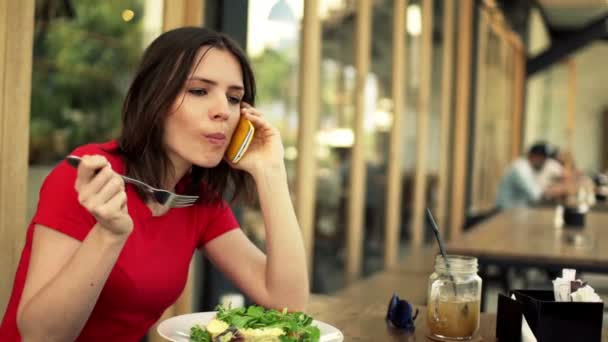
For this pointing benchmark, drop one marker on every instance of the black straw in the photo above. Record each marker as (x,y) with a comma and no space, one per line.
(441,248)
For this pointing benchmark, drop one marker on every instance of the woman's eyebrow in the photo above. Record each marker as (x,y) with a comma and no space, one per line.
(212,82)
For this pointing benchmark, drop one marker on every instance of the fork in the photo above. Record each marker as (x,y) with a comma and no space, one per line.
(163,197)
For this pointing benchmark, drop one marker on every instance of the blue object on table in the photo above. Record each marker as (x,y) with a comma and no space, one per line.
(399,314)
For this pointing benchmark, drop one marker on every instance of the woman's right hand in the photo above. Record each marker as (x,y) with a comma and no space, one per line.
(102,192)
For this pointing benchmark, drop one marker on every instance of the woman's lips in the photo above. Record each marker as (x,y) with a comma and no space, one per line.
(216,138)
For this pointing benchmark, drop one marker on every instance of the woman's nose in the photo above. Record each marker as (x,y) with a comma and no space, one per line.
(220,109)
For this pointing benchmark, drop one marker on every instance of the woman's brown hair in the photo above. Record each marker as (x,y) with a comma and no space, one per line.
(161,75)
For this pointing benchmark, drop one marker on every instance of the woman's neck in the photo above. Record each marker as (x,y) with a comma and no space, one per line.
(172,178)
(180,168)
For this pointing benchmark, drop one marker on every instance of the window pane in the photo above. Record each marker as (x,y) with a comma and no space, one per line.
(335,139)
(273,40)
(85,53)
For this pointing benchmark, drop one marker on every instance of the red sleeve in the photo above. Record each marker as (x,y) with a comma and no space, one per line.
(218,219)
(58,206)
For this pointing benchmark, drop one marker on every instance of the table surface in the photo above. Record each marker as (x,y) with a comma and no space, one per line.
(529,236)
(380,287)
(359,309)
(418,260)
(365,322)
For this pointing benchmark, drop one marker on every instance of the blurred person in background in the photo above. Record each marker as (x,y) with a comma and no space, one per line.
(530,179)
(103,260)
(553,169)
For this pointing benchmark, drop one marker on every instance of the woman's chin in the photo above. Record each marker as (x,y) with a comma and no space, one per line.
(208,163)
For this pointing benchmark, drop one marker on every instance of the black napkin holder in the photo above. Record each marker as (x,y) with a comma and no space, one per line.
(550,321)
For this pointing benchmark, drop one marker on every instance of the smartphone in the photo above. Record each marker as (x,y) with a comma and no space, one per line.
(242,136)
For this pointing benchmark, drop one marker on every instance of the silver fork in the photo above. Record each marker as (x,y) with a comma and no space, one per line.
(163,197)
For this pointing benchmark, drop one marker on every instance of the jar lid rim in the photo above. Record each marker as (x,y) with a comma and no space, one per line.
(451,257)
(457,263)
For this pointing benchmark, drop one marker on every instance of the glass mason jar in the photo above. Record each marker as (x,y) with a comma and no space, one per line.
(453,300)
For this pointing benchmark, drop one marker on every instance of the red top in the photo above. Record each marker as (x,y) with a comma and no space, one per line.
(150,272)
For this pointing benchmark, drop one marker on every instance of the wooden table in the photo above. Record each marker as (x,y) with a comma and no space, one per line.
(420,260)
(527,237)
(364,321)
(359,310)
(380,287)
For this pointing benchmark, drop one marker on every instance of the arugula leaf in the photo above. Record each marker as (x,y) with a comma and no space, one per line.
(296,325)
(241,321)
(255,311)
(198,334)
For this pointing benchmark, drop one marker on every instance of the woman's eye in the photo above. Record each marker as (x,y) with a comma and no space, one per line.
(234,100)
(198,92)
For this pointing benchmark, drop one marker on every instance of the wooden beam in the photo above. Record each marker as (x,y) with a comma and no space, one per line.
(567,45)
(394,180)
(16,41)
(515,40)
(497,22)
(446,113)
(463,89)
(572,3)
(422,123)
(357,172)
(308,107)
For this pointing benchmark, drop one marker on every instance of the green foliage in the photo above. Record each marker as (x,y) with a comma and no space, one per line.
(82,66)
(273,74)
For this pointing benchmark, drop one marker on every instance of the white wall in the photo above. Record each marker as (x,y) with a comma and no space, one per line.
(409,126)
(591,100)
(538,41)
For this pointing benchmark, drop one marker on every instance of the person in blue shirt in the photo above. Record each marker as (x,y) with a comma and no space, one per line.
(520,185)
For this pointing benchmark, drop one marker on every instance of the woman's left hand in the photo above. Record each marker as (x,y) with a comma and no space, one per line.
(266,147)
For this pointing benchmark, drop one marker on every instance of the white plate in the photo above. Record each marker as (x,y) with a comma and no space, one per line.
(177,329)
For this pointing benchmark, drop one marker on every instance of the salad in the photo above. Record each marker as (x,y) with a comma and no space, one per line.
(256,324)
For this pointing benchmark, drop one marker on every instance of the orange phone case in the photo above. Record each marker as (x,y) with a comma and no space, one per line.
(242,136)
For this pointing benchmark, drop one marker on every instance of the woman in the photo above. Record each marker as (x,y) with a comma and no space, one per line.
(102,261)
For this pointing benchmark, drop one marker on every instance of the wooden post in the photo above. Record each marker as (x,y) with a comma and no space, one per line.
(422,123)
(179,13)
(357,172)
(503,141)
(446,112)
(604,163)
(518,95)
(309,98)
(16,41)
(394,180)
(462,117)
(480,162)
